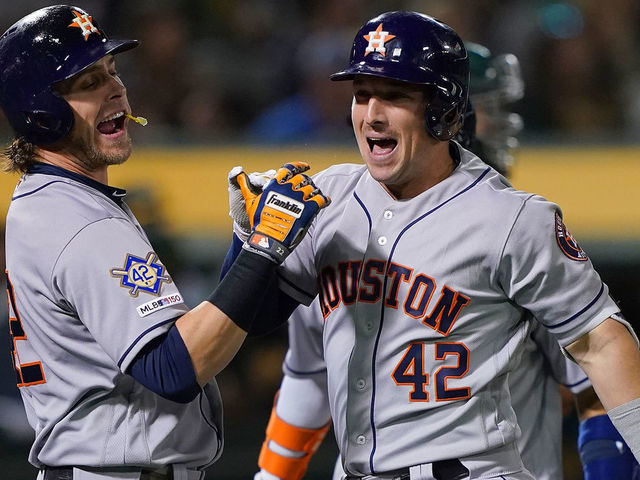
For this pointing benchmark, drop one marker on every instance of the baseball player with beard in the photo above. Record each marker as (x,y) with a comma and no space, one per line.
(115,371)
(302,404)
(430,269)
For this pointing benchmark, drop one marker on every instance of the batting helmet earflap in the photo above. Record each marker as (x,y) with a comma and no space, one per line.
(416,48)
(41,49)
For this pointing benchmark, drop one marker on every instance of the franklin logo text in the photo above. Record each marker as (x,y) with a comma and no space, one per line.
(285,204)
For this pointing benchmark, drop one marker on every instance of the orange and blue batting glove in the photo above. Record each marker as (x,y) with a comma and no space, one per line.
(282,212)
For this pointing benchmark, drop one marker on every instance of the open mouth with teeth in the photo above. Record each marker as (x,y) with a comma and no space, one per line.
(381,146)
(112,124)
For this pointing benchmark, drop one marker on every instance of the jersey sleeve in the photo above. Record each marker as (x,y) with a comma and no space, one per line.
(305,355)
(111,278)
(304,402)
(303,398)
(544,270)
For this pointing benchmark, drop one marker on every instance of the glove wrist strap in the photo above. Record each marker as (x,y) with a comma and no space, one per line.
(267,246)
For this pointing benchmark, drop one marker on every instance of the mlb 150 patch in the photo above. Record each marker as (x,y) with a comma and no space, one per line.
(159,304)
(141,274)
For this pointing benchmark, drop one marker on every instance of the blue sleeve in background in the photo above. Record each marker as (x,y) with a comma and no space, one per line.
(603,452)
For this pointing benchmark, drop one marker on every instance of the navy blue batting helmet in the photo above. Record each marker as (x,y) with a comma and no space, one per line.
(415,48)
(43,48)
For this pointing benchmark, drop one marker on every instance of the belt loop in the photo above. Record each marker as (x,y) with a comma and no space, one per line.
(180,471)
(85,473)
(421,472)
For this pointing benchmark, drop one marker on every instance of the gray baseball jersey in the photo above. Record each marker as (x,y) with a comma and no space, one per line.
(87,292)
(425,306)
(533,383)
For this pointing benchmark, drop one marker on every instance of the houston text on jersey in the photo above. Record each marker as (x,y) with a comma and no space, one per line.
(341,285)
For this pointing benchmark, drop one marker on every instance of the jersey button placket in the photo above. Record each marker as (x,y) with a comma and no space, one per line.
(382,239)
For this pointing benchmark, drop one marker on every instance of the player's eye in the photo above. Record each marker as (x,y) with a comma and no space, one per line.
(88,82)
(398,95)
(361,96)
(395,96)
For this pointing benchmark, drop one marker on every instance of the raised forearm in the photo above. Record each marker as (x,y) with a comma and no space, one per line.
(610,357)
(211,338)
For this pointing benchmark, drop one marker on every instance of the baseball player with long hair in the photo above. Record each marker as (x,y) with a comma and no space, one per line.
(429,269)
(115,371)
(495,83)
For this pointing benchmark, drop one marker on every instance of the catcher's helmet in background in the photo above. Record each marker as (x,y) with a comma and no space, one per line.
(45,47)
(466,136)
(418,49)
(495,83)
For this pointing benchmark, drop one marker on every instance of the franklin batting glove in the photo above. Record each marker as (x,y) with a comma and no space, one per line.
(237,208)
(280,215)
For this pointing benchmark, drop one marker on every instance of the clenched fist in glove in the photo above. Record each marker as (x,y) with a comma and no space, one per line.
(281,213)
(255,181)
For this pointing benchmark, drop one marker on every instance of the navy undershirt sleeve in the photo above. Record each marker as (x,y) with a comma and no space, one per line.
(234,250)
(164,367)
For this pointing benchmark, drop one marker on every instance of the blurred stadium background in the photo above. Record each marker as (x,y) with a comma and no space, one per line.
(227,83)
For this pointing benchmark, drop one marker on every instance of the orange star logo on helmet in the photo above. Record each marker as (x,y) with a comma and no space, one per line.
(376,40)
(85,23)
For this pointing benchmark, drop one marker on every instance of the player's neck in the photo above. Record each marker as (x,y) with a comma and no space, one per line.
(68,162)
(425,174)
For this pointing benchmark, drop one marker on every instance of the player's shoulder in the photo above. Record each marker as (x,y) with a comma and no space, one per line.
(339,177)
(60,200)
(499,191)
(522,213)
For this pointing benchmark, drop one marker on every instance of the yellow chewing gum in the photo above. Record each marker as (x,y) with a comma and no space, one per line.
(141,120)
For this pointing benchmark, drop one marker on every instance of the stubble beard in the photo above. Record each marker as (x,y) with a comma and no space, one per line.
(92,158)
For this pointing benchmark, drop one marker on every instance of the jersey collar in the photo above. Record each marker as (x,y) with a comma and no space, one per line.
(114,193)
